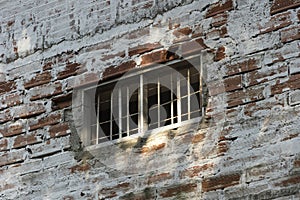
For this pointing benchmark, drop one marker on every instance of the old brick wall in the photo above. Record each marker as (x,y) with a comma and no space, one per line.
(247,147)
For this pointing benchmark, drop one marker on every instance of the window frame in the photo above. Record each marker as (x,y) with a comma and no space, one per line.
(90,92)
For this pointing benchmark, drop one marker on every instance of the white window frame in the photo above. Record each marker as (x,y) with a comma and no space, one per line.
(89,94)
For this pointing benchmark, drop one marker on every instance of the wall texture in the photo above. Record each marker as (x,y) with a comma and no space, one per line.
(247,147)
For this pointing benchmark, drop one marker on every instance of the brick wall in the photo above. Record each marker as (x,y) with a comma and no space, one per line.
(247,147)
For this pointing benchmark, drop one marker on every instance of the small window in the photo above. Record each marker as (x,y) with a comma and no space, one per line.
(146,99)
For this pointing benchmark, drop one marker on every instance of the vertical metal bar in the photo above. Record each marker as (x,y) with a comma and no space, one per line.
(141,107)
(120,113)
(128,114)
(189,93)
(158,102)
(172,103)
(111,116)
(201,95)
(178,99)
(98,111)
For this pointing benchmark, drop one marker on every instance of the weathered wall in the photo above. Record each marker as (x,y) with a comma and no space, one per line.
(246,148)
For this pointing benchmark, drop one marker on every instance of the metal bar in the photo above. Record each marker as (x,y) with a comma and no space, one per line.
(120,112)
(111,116)
(127,105)
(98,125)
(141,105)
(189,93)
(158,101)
(172,103)
(201,97)
(178,99)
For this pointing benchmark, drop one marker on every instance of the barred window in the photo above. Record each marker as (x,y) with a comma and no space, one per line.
(145,99)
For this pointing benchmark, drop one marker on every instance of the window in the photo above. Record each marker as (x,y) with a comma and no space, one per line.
(146,99)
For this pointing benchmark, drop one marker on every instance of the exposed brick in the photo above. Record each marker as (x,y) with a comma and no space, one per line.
(198,138)
(6,186)
(276,22)
(29,110)
(13,129)
(147,193)
(297,163)
(138,33)
(193,47)
(70,70)
(196,170)
(110,192)
(290,34)
(178,189)
(228,84)
(245,96)
(220,54)
(292,180)
(219,7)
(5,116)
(59,130)
(157,57)
(143,48)
(26,139)
(11,100)
(243,66)
(222,147)
(220,182)
(219,20)
(282,5)
(159,178)
(39,79)
(265,74)
(114,71)
(182,32)
(45,91)
(45,121)
(153,148)
(80,168)
(292,83)
(62,101)
(3,144)
(7,87)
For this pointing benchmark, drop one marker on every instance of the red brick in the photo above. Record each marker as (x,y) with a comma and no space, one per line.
(6,186)
(153,148)
(290,34)
(110,192)
(198,138)
(12,129)
(3,144)
(178,189)
(157,57)
(59,130)
(193,47)
(292,83)
(5,116)
(219,7)
(143,48)
(276,22)
(245,96)
(138,33)
(114,71)
(292,180)
(297,163)
(7,87)
(226,85)
(45,121)
(282,5)
(29,110)
(147,193)
(182,32)
(220,182)
(45,91)
(220,54)
(222,147)
(195,171)
(26,139)
(264,75)
(70,70)
(219,20)
(243,66)
(80,168)
(299,15)
(12,157)
(159,178)
(39,79)
(62,101)
(10,100)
